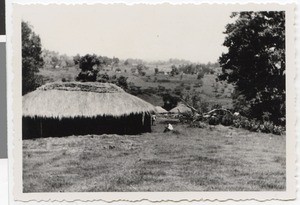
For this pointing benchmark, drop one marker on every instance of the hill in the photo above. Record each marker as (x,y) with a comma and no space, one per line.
(151,85)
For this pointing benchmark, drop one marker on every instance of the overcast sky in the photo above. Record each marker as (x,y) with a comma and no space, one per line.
(147,32)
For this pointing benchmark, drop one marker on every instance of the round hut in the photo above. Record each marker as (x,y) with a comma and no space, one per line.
(180,108)
(77,108)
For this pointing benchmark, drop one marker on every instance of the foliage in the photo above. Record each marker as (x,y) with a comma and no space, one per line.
(195,100)
(89,68)
(53,59)
(255,62)
(174,71)
(227,119)
(258,126)
(122,82)
(31,58)
(200,75)
(90,65)
(201,68)
(126,62)
(119,81)
(115,61)
(76,59)
(170,101)
(140,68)
(103,78)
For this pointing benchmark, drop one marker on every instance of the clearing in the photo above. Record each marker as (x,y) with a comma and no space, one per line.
(215,158)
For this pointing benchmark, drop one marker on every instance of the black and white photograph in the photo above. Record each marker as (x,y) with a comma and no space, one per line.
(154,98)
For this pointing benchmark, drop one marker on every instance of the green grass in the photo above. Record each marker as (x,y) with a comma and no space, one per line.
(190,159)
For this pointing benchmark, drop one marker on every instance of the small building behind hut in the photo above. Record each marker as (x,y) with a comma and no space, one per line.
(77,108)
(180,108)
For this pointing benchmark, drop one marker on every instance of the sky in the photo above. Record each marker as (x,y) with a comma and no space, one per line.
(152,32)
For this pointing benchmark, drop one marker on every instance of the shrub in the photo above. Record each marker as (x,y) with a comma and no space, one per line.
(257,126)
(103,78)
(227,120)
(214,120)
(200,75)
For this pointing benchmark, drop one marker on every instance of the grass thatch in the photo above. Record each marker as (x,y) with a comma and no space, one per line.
(181,108)
(160,110)
(76,99)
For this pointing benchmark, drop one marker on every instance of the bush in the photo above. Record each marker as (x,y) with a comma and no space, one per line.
(122,82)
(87,76)
(227,120)
(214,120)
(103,78)
(257,126)
(134,90)
(200,75)
(170,101)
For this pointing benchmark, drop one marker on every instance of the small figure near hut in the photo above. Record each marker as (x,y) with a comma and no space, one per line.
(168,128)
(153,119)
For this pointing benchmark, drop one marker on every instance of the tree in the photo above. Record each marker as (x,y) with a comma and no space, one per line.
(140,68)
(31,58)
(54,61)
(122,82)
(76,59)
(126,62)
(89,68)
(255,61)
(200,75)
(156,70)
(170,101)
(115,61)
(174,70)
(103,78)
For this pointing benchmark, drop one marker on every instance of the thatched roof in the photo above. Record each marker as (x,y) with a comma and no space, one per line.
(181,108)
(76,99)
(160,110)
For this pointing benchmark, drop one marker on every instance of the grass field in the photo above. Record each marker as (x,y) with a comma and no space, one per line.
(190,159)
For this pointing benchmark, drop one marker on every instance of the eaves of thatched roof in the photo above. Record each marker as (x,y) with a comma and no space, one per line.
(76,99)
(159,109)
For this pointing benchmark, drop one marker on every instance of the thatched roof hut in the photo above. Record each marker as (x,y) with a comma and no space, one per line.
(180,108)
(160,110)
(83,108)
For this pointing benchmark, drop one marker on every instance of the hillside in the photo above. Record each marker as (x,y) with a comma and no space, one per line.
(208,88)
